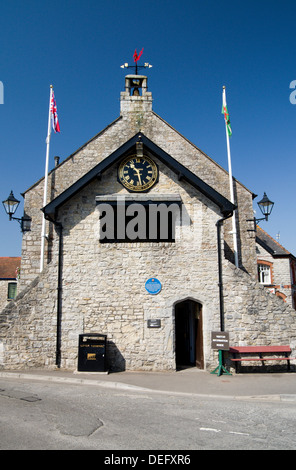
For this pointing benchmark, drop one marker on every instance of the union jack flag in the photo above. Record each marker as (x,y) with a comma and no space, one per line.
(54,114)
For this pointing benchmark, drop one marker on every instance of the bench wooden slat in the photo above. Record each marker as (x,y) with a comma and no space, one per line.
(258,349)
(237,359)
(287,358)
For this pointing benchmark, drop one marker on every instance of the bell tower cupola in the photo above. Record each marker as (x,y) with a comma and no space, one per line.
(136,97)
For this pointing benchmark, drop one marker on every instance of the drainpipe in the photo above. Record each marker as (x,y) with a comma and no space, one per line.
(59,298)
(218,225)
(59,291)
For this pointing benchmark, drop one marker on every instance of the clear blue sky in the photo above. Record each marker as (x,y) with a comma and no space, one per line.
(195,46)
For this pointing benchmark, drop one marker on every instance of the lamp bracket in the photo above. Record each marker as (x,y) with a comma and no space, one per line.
(254,220)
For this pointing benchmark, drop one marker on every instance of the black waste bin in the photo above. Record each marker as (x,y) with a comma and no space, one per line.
(92,352)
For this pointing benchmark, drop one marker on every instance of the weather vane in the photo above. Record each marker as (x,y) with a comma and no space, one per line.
(136,57)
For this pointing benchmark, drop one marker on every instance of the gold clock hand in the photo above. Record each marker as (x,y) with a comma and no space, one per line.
(137,170)
(139,176)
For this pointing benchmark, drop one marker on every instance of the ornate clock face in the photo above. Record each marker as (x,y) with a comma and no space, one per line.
(137,173)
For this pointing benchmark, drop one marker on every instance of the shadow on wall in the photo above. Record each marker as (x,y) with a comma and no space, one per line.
(115,360)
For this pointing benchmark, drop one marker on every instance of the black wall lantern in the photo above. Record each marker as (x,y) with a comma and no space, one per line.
(265,206)
(10,205)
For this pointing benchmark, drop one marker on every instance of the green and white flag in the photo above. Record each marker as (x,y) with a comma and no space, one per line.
(228,132)
(226,114)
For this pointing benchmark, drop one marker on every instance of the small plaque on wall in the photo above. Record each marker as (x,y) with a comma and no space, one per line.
(154,323)
(153,286)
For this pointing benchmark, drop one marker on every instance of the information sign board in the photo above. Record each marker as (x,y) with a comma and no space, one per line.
(220,340)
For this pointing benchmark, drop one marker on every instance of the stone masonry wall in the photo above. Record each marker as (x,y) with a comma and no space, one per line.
(103,291)
(109,279)
(132,120)
(255,316)
(103,284)
(28,326)
(3,293)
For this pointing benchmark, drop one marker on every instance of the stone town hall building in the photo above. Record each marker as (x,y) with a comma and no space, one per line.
(138,204)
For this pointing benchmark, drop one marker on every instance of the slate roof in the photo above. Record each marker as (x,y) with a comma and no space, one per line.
(224,204)
(8,267)
(269,244)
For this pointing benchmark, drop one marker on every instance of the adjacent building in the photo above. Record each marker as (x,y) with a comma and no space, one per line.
(276,267)
(9,273)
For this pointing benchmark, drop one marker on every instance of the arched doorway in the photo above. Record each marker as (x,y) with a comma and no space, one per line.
(188,334)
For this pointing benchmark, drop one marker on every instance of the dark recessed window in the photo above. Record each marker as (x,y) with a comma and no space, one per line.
(138,222)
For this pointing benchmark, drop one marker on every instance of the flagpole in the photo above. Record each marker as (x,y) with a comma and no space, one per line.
(234,233)
(45,182)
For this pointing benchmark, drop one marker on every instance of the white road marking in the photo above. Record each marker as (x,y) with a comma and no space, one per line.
(210,429)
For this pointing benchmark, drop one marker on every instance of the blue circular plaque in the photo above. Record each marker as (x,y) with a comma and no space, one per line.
(153,286)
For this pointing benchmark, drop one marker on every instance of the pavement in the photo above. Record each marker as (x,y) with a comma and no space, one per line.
(191,381)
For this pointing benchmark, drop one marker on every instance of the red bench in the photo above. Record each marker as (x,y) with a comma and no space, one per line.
(259,354)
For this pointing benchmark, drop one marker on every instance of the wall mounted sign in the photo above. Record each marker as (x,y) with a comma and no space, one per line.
(154,323)
(220,340)
(153,286)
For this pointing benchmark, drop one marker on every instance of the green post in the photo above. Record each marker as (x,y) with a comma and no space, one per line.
(220,369)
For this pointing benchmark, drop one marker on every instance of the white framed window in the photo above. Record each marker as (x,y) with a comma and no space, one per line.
(264,274)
